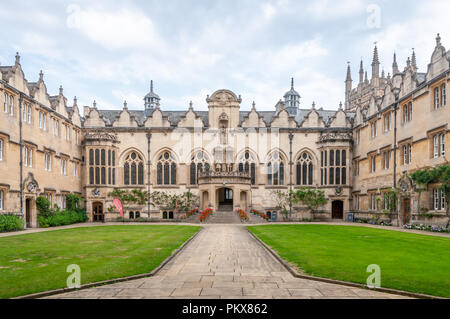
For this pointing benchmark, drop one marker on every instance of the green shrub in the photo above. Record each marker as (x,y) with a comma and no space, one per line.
(62,218)
(43,206)
(9,223)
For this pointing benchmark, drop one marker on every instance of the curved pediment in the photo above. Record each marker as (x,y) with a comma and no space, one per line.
(39,93)
(157,120)
(253,119)
(190,119)
(224,97)
(373,108)
(339,119)
(439,62)
(388,96)
(16,78)
(313,120)
(94,119)
(125,120)
(75,117)
(283,120)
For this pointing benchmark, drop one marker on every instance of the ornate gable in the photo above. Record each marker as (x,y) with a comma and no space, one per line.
(313,120)
(157,120)
(125,120)
(94,119)
(283,120)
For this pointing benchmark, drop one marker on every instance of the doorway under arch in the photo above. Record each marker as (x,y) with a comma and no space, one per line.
(337,209)
(225,198)
(97,212)
(28,211)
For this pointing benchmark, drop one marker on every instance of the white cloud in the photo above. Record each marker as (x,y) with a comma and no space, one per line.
(332,9)
(122,29)
(418,31)
(269,11)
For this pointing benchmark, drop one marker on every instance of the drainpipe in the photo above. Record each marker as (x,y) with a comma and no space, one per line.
(21,158)
(396,93)
(149,138)
(291,137)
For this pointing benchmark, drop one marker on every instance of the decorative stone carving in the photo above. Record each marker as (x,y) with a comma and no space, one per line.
(101,136)
(336,136)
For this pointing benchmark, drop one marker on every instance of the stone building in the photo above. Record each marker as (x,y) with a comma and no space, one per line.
(230,157)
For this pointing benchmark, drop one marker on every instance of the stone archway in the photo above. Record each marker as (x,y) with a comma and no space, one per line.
(29,209)
(97,212)
(337,209)
(225,198)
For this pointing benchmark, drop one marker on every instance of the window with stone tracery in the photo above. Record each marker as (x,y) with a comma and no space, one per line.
(305,169)
(199,163)
(133,170)
(166,170)
(275,170)
(247,163)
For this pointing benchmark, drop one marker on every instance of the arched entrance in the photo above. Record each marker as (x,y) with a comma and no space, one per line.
(97,212)
(337,209)
(225,198)
(28,211)
(406,210)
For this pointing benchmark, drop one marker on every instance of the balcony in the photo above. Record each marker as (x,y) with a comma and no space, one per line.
(220,177)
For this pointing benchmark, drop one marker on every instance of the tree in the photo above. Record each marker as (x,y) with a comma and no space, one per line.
(136,196)
(311,198)
(180,202)
(422,178)
(282,199)
(440,175)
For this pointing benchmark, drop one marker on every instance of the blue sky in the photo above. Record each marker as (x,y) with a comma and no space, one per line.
(109,51)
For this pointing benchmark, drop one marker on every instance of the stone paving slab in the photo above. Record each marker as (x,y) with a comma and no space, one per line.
(224,261)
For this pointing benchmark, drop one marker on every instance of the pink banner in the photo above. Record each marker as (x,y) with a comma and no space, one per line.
(119,206)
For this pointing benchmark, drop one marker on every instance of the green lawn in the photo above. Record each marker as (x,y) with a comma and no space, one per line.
(37,262)
(411,262)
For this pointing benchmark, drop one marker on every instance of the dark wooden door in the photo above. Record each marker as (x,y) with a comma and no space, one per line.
(406,211)
(28,212)
(97,209)
(337,209)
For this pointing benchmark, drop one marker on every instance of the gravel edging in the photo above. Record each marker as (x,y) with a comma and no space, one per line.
(339,282)
(112,281)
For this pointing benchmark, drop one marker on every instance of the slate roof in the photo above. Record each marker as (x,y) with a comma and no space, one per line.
(175,116)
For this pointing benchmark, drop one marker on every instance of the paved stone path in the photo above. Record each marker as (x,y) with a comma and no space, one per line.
(224,261)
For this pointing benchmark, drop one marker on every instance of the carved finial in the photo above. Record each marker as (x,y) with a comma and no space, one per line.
(95,104)
(438,40)
(349,73)
(191,105)
(314,105)
(17,58)
(61,90)
(408,62)
(125,105)
(340,105)
(41,76)
(253,105)
(414,61)
(395,65)
(75,101)
(292,83)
